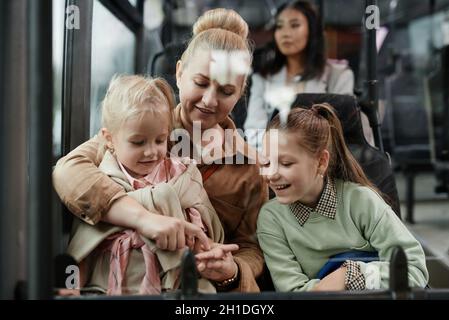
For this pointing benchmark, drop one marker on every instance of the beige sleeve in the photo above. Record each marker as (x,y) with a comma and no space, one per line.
(83,188)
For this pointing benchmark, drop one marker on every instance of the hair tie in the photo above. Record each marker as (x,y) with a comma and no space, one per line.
(315,111)
(320,110)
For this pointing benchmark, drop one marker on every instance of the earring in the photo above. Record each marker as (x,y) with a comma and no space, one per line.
(321,175)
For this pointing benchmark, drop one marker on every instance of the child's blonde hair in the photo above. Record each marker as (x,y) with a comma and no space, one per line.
(133,95)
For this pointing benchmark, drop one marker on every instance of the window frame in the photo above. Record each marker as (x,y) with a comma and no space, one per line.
(77,65)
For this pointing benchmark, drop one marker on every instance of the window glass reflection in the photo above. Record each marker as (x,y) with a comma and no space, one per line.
(113,51)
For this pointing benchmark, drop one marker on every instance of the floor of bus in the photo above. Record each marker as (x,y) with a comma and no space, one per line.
(431,227)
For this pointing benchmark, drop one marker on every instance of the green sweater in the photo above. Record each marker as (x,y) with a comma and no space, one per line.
(294,254)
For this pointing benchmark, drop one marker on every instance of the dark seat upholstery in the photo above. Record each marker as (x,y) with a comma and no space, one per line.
(163,63)
(375,163)
(406,118)
(437,105)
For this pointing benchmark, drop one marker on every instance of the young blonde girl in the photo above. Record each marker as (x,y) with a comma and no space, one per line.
(326,207)
(137,116)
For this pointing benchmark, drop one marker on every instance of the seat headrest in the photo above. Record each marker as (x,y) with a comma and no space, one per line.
(163,63)
(347,110)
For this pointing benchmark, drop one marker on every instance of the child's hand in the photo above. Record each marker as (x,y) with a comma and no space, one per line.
(334,281)
(170,233)
(217,264)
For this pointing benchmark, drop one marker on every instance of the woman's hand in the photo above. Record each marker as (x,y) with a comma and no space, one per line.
(334,281)
(217,264)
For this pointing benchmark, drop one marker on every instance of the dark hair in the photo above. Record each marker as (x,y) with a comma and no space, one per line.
(315,50)
(319,128)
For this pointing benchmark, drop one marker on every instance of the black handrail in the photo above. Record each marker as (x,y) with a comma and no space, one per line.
(399,286)
(189,276)
(370,104)
(126,12)
(40,104)
(76,76)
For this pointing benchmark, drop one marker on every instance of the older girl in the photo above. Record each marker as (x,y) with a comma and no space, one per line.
(325,206)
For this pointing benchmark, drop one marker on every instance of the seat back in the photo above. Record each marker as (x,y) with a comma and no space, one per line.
(437,104)
(406,116)
(163,63)
(375,163)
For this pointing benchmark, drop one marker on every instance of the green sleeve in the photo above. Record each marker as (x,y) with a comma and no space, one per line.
(285,270)
(384,230)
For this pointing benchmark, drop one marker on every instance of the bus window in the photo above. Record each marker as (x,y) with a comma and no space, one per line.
(113,51)
(58,48)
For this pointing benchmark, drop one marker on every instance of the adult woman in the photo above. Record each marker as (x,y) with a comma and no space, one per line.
(299,61)
(236,191)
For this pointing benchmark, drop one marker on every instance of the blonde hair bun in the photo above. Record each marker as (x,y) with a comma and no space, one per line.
(221,18)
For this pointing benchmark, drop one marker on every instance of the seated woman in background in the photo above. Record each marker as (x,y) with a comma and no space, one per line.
(299,62)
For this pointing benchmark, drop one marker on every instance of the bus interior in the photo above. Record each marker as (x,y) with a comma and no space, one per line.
(58,56)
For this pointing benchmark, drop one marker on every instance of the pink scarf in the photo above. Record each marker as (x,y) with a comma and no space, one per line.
(120,244)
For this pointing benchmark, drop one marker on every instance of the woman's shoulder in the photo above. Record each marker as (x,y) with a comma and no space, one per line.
(337,68)
(339,77)
(337,64)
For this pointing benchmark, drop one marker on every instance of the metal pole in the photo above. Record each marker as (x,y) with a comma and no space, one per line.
(141,48)
(13,141)
(189,276)
(40,88)
(372,109)
(399,275)
(320,4)
(76,78)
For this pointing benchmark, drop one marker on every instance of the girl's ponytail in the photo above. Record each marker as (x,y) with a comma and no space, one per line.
(342,163)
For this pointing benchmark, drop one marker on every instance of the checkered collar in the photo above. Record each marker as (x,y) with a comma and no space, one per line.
(327,205)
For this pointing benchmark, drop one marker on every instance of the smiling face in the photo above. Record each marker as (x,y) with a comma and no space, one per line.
(141,142)
(298,174)
(203,99)
(292,32)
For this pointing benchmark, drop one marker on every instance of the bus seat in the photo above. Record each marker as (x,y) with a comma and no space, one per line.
(163,63)
(437,106)
(408,128)
(375,163)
